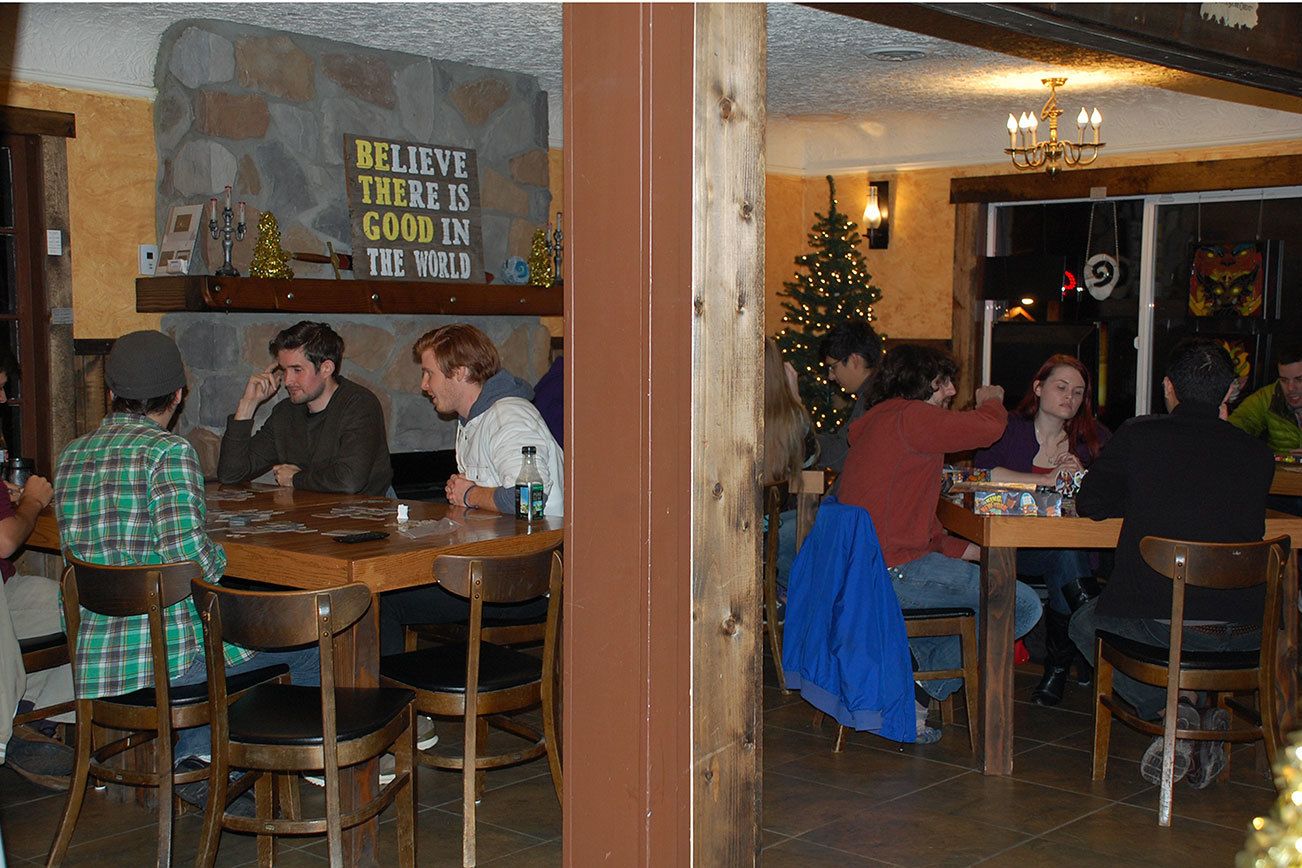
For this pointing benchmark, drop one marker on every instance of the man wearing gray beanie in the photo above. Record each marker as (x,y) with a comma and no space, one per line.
(131,492)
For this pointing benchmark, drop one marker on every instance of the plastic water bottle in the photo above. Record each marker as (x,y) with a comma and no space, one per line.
(529,495)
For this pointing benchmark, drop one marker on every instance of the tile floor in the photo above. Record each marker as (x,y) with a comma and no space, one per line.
(874,804)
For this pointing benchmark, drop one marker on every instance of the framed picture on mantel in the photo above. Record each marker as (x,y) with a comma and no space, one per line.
(414,210)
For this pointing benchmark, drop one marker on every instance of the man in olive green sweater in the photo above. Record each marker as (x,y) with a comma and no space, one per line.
(1274,413)
(329,436)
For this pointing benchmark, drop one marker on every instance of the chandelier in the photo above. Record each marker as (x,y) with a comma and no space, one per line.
(1028,152)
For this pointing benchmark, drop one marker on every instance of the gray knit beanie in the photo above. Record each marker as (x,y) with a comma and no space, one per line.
(143,365)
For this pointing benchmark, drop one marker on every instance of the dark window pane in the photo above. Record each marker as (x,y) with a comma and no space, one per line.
(8,275)
(6,188)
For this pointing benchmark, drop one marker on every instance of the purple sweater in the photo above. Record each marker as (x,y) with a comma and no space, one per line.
(1018,447)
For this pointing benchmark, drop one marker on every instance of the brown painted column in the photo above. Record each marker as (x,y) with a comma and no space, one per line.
(662,385)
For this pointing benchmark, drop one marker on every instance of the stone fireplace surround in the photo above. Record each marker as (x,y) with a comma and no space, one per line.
(266,112)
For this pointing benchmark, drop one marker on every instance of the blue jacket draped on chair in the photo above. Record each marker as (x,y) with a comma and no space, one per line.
(844,645)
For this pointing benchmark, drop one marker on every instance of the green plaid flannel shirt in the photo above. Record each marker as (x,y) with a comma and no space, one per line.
(130,492)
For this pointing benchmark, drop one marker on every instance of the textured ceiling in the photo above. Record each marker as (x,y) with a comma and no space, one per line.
(832,106)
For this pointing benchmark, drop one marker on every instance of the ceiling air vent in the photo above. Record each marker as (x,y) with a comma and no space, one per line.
(896,54)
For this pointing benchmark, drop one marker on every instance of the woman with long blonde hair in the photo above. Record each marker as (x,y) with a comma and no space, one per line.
(786,423)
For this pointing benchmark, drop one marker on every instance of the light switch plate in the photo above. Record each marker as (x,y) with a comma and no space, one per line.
(54,242)
(148,258)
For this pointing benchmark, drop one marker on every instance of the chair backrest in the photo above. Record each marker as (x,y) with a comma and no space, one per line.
(121,592)
(500,578)
(266,620)
(1224,566)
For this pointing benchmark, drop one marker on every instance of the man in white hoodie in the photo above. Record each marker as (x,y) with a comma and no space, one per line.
(461,373)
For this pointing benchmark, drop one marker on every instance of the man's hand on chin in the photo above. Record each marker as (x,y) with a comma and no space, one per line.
(284,474)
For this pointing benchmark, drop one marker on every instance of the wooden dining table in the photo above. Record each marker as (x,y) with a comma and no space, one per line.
(1000,537)
(1287,480)
(307,558)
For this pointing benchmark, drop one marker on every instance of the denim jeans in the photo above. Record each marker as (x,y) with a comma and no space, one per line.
(1148,700)
(1057,567)
(934,580)
(304,670)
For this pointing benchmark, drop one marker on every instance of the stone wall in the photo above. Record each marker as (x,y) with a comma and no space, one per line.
(221,351)
(266,112)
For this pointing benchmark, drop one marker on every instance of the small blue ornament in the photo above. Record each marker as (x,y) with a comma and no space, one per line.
(515,271)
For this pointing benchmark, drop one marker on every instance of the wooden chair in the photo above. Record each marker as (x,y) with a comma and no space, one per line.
(1225,566)
(552,697)
(123,592)
(39,654)
(958,622)
(478,680)
(775,495)
(288,729)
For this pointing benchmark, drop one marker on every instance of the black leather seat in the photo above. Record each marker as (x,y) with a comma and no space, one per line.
(287,714)
(443,668)
(1158,655)
(35,644)
(191,694)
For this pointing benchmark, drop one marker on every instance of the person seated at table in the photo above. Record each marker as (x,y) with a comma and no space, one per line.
(789,444)
(1052,431)
(893,469)
(129,493)
(1187,475)
(850,351)
(329,436)
(29,607)
(462,375)
(1274,413)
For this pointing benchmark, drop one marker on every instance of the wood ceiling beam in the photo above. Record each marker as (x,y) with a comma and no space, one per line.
(1064,35)
(1189,177)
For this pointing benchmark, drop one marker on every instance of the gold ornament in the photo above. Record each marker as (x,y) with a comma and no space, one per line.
(1274,841)
(540,259)
(268,259)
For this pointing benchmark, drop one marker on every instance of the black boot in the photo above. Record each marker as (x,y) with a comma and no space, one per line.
(1077,594)
(1059,651)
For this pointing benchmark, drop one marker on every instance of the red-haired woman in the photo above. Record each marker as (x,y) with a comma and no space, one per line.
(1052,430)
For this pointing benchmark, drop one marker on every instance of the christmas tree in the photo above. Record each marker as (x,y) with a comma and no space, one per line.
(268,259)
(540,259)
(832,285)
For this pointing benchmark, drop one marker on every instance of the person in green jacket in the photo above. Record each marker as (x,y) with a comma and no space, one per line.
(1274,413)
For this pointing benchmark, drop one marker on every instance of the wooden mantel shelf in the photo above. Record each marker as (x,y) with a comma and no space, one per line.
(207,293)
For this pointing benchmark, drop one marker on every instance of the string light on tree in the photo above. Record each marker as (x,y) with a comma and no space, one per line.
(831,285)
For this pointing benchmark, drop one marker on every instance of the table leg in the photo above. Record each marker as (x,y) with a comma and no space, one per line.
(1286,653)
(357,664)
(998,597)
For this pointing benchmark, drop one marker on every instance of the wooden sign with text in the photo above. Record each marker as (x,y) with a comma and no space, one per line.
(414,210)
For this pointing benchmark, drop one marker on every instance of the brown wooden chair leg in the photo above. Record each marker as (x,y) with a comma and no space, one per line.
(971,680)
(775,632)
(817,722)
(76,791)
(469,790)
(264,801)
(290,806)
(166,799)
(947,711)
(212,831)
(481,776)
(1102,716)
(405,803)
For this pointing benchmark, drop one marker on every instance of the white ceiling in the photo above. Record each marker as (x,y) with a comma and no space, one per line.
(831,105)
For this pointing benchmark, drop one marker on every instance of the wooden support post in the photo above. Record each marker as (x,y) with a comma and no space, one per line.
(664,171)
(727,410)
(969,271)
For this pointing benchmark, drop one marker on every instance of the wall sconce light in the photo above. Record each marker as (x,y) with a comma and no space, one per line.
(876,215)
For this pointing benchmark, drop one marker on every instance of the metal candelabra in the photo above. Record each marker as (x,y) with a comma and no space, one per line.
(228,232)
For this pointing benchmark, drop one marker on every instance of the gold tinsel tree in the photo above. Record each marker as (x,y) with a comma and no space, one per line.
(540,260)
(1275,841)
(268,259)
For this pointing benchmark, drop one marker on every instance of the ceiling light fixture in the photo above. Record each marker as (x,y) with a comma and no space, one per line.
(1028,152)
(896,54)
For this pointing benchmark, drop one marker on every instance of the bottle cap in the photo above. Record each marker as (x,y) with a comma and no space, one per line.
(529,450)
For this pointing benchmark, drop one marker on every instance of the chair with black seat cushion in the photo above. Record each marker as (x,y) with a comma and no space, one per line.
(276,731)
(39,654)
(123,592)
(1225,566)
(960,622)
(478,680)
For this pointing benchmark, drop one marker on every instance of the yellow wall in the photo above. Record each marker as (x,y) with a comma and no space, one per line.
(112,167)
(915,273)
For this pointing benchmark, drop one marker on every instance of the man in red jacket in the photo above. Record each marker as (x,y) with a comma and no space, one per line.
(897,450)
